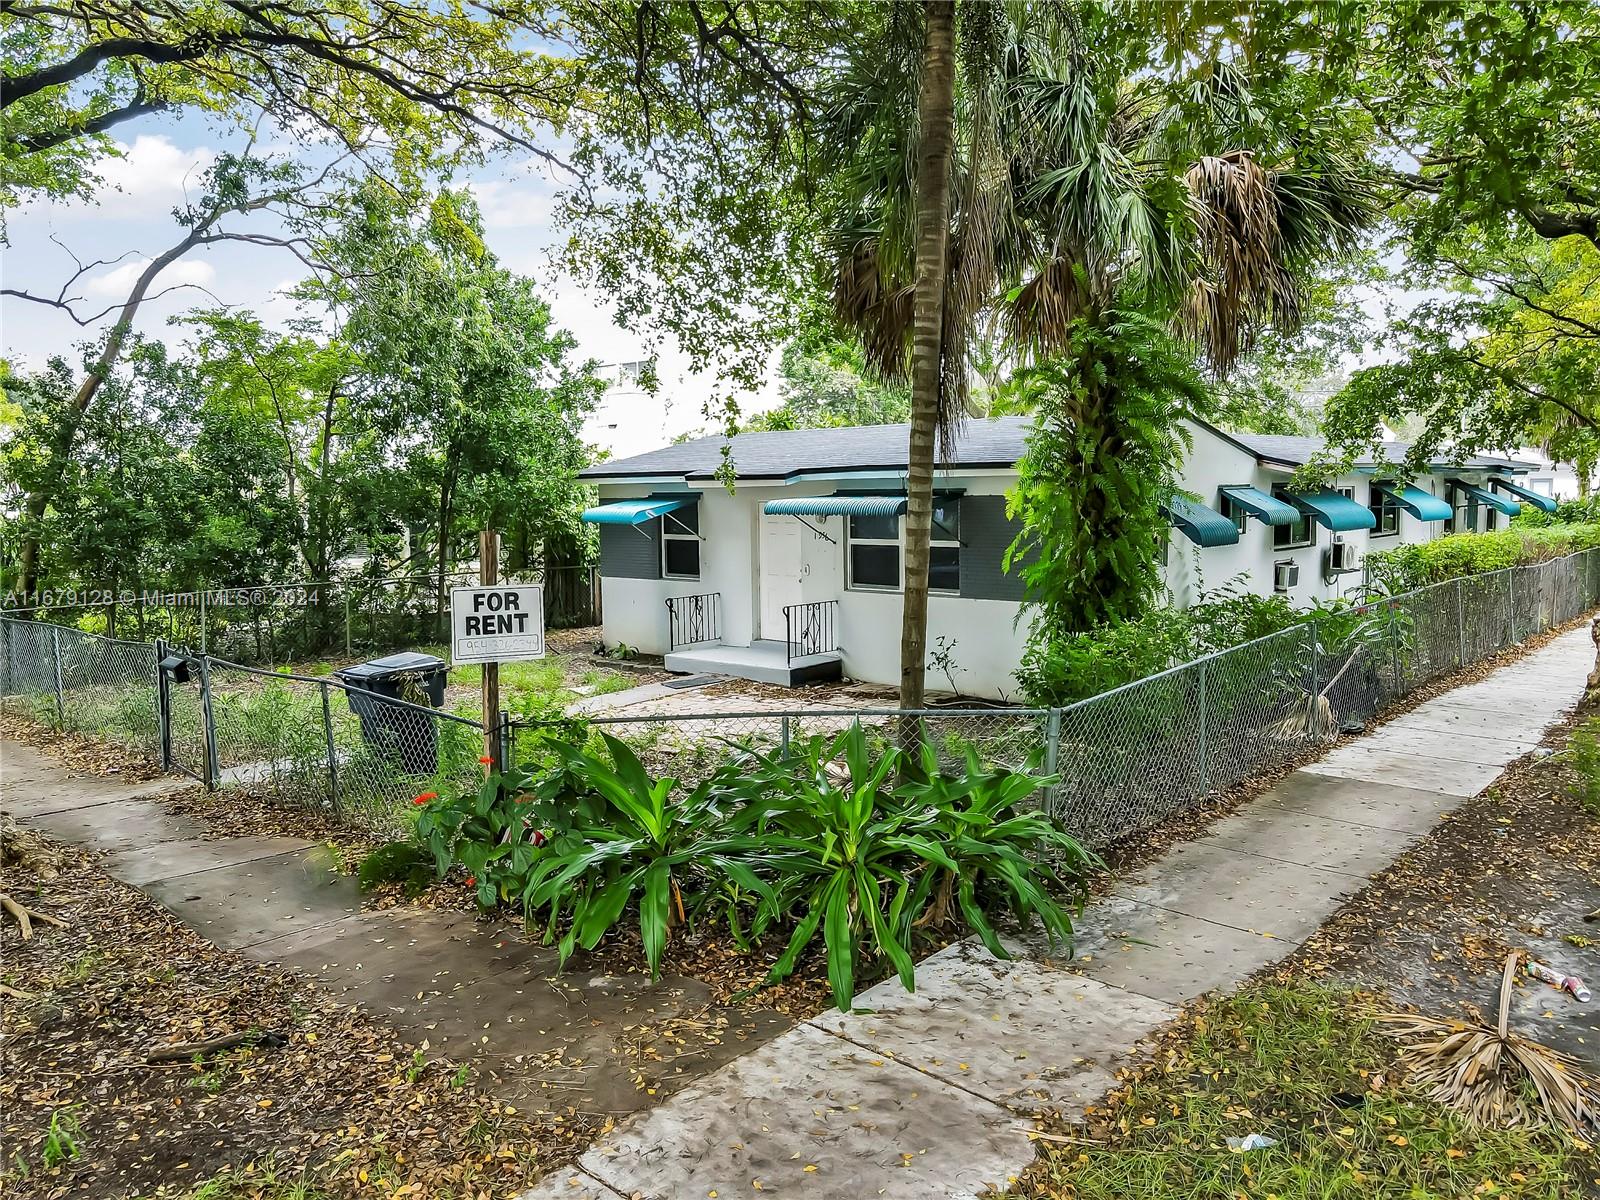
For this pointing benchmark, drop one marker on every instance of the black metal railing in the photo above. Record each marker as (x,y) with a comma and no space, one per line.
(811,628)
(694,620)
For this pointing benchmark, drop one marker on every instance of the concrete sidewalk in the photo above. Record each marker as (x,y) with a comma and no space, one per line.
(929,1095)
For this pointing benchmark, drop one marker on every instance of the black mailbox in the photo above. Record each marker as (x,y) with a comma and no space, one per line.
(177,668)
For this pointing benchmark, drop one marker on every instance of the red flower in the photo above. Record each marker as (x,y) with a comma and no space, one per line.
(485,759)
(425,797)
(472,881)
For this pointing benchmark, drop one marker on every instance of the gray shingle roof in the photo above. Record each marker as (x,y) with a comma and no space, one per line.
(997,442)
(1296,451)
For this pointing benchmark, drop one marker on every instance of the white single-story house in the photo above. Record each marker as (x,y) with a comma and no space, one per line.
(795,573)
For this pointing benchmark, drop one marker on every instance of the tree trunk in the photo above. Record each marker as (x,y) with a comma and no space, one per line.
(935,141)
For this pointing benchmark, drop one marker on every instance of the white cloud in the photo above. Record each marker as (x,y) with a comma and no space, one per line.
(512,204)
(116,283)
(146,180)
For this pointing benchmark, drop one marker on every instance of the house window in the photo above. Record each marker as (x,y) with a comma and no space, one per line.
(680,543)
(944,550)
(875,553)
(1387,511)
(876,550)
(1297,533)
(1232,511)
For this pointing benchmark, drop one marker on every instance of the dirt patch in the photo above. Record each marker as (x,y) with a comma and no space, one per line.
(1515,868)
(325,1089)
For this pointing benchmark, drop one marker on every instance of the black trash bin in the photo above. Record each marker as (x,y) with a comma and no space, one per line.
(399,731)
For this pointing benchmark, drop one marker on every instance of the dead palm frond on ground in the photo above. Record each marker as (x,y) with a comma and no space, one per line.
(1492,1076)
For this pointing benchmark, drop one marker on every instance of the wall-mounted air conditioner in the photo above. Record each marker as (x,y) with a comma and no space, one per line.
(1342,558)
(1285,575)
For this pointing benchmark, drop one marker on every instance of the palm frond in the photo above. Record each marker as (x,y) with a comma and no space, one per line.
(1485,1073)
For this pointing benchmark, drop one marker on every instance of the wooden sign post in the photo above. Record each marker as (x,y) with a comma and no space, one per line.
(492,623)
(488,575)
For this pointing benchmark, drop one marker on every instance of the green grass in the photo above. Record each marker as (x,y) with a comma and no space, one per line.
(260,1182)
(1297,1064)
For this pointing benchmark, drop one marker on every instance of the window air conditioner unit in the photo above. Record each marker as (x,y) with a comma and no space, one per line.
(1342,558)
(1285,575)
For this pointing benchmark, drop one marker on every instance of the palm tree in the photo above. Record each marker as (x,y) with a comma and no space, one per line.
(1081,190)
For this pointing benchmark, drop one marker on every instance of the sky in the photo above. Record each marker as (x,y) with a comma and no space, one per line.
(129,220)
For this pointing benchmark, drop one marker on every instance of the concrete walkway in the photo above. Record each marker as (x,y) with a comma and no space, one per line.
(929,1095)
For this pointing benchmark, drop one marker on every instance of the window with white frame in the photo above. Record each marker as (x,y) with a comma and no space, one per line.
(1386,509)
(1297,533)
(875,554)
(680,543)
(1232,510)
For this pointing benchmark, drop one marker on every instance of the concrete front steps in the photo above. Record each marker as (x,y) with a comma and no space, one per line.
(911,1097)
(761,661)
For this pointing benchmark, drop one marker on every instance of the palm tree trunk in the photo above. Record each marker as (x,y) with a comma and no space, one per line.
(935,141)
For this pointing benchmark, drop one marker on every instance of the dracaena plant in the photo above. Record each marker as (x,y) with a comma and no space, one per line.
(868,862)
(1002,854)
(633,841)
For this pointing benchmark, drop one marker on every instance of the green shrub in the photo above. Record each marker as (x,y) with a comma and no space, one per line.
(868,864)
(1419,564)
(821,836)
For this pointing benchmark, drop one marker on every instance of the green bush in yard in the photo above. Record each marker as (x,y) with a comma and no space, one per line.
(842,838)
(1405,568)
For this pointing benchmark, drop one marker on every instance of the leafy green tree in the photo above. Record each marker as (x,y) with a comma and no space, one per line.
(348,70)
(1510,357)
(826,384)
(460,367)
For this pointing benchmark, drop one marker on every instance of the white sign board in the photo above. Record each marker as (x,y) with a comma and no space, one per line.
(496,623)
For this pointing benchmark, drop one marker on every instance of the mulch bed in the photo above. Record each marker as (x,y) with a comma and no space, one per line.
(333,1092)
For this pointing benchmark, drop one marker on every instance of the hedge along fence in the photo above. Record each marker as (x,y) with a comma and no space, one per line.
(1418,564)
(1126,759)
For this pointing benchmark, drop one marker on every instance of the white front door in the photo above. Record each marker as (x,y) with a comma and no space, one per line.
(782,565)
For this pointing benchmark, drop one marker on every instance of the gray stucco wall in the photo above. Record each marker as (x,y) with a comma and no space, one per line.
(986,533)
(631,551)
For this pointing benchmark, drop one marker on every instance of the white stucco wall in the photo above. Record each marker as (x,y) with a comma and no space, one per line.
(987,635)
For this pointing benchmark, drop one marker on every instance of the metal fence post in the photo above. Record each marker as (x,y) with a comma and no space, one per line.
(202,622)
(347,642)
(502,741)
(1461,624)
(1316,673)
(1052,753)
(1511,606)
(213,764)
(163,706)
(1394,648)
(333,754)
(61,701)
(783,735)
(1205,747)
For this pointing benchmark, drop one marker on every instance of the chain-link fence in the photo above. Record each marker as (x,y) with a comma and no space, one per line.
(1135,756)
(1126,759)
(314,743)
(283,622)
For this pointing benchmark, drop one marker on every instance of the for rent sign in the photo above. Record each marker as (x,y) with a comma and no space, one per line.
(496,624)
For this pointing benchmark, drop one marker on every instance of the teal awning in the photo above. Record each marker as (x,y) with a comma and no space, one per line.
(1510,507)
(1538,500)
(1424,506)
(1201,525)
(635,512)
(1267,509)
(841,506)
(1333,510)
